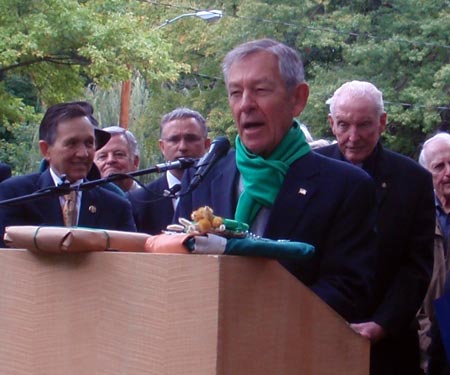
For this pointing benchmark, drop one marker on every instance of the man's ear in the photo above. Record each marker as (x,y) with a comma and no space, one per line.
(161,146)
(44,147)
(207,143)
(300,95)
(136,161)
(383,122)
(331,122)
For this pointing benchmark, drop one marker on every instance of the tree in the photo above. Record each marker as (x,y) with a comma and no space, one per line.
(51,50)
(403,49)
(59,46)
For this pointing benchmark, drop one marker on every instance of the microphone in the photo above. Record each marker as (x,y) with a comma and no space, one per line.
(65,187)
(181,163)
(218,149)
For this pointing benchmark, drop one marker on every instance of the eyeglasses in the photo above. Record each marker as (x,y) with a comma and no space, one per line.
(188,138)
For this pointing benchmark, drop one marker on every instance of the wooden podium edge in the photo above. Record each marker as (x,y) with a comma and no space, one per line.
(294,330)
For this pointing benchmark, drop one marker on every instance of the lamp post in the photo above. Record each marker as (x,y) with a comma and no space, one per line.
(205,15)
(125,95)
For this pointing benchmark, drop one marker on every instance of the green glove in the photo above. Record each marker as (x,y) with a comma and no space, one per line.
(235,226)
(264,247)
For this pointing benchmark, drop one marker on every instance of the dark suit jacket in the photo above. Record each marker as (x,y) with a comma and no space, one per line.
(326,203)
(439,360)
(5,171)
(406,221)
(151,210)
(112,212)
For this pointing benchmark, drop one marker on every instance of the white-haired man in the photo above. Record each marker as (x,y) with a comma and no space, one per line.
(405,224)
(119,155)
(435,156)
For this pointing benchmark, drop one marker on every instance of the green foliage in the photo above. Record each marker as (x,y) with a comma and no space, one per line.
(60,46)
(146,129)
(402,49)
(51,50)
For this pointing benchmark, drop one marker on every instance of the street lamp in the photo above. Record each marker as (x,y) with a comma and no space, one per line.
(205,15)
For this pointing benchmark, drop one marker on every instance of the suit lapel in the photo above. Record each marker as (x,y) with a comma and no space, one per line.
(380,171)
(297,190)
(89,211)
(165,204)
(375,166)
(336,153)
(227,185)
(224,184)
(49,208)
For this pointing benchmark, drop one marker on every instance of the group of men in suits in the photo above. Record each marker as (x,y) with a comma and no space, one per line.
(298,194)
(67,140)
(70,142)
(332,202)
(369,212)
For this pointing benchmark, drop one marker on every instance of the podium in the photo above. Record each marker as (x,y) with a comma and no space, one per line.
(166,314)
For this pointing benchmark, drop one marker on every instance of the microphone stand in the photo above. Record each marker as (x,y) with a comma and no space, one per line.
(65,187)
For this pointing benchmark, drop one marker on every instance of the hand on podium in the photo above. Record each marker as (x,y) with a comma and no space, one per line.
(211,234)
(370,330)
(209,243)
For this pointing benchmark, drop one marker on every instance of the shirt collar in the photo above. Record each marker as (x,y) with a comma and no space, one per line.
(172,180)
(437,202)
(57,180)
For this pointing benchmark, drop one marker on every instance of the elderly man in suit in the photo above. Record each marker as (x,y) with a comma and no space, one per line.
(68,140)
(183,134)
(283,190)
(435,157)
(405,225)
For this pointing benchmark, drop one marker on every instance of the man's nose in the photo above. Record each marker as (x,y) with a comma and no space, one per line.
(353,133)
(182,144)
(82,150)
(447,168)
(110,157)
(247,101)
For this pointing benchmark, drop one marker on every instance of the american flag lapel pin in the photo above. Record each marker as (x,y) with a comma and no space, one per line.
(302,191)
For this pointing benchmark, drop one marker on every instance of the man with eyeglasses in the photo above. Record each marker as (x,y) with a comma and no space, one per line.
(119,155)
(183,134)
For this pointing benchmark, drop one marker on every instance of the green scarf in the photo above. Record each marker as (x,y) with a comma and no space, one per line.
(262,178)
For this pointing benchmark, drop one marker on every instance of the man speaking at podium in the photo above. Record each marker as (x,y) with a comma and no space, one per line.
(283,190)
(68,140)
